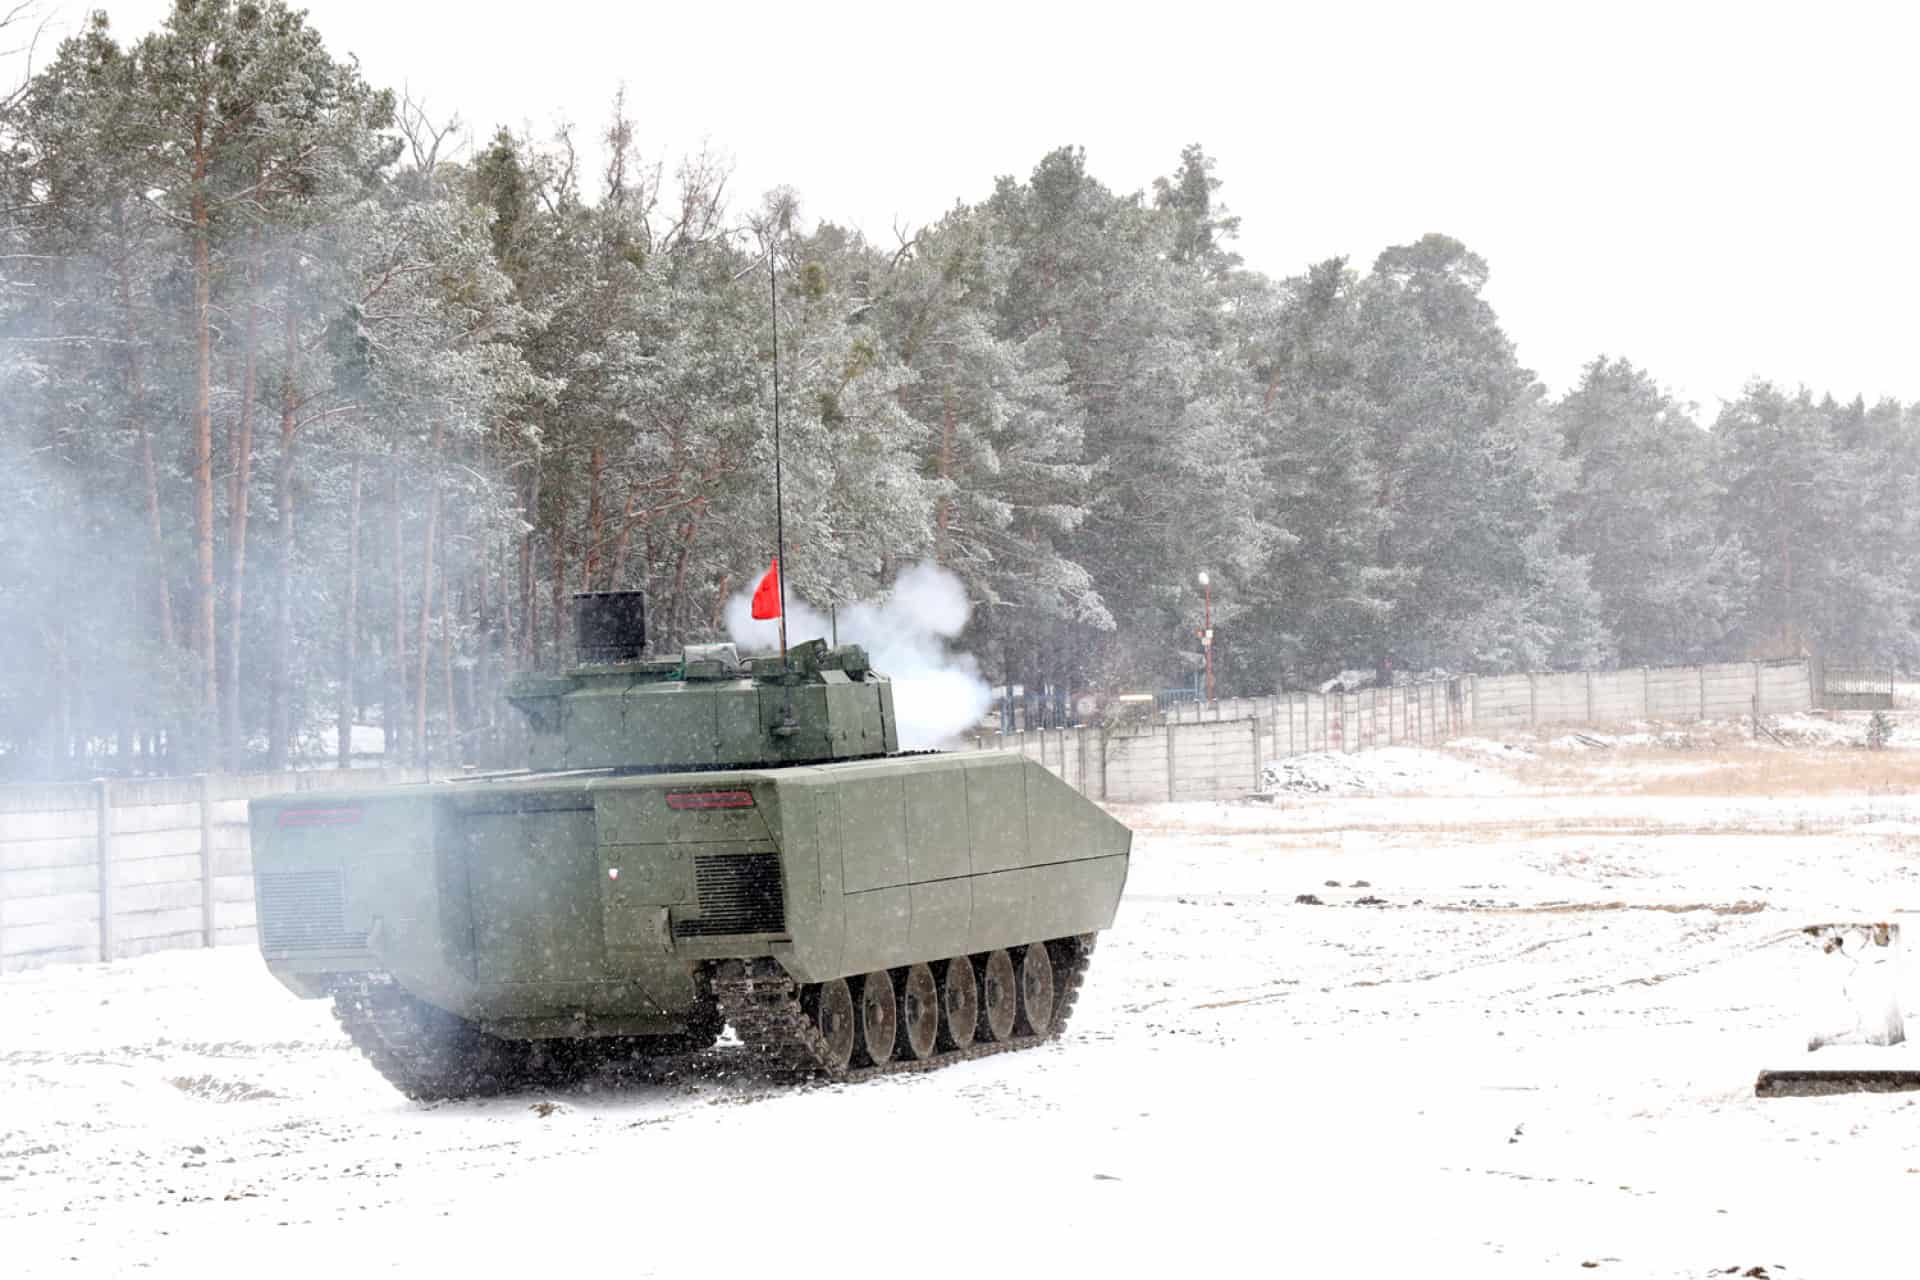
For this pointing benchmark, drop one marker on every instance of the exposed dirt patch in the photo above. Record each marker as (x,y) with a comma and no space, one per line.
(1577,908)
(214,1089)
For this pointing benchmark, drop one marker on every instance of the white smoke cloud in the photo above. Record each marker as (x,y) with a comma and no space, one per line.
(938,695)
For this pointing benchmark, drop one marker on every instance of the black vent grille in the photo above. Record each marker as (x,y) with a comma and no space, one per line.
(305,911)
(739,893)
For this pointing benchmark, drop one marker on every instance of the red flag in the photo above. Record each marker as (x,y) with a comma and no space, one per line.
(766,596)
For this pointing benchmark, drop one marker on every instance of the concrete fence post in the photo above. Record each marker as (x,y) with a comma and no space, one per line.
(206,857)
(103,824)
(1590,719)
(1533,699)
(1256,754)
(1646,693)
(1173,777)
(1702,714)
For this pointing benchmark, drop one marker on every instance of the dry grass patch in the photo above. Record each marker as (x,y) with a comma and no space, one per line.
(1728,771)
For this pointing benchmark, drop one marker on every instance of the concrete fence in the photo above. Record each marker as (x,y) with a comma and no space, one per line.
(1723,691)
(1218,750)
(112,868)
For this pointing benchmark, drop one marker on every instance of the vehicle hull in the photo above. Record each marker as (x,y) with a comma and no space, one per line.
(593,904)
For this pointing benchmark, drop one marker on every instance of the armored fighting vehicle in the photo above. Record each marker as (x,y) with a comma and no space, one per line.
(700,841)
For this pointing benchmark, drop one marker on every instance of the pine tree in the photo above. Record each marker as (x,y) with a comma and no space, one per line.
(1467,477)
(1170,413)
(1641,515)
(1322,596)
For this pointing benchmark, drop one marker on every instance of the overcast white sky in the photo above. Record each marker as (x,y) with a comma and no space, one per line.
(1712,191)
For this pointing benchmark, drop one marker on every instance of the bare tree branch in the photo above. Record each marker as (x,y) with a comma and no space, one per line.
(425,138)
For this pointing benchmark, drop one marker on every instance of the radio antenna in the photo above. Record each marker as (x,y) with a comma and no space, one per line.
(779,508)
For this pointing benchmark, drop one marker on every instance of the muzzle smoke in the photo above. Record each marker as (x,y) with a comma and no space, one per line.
(937,694)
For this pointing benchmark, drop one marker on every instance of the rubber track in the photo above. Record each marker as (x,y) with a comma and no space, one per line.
(425,1053)
(765,1012)
(431,1055)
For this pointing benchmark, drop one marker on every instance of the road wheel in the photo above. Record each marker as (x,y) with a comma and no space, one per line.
(959,1004)
(1036,990)
(919,998)
(833,1016)
(999,996)
(879,1018)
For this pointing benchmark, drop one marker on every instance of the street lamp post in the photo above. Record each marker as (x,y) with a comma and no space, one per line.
(1206,633)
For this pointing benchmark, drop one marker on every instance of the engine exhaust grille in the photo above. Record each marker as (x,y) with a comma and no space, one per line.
(739,893)
(305,911)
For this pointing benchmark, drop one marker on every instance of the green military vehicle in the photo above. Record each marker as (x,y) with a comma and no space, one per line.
(700,841)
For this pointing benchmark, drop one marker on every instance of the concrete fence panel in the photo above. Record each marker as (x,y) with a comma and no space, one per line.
(1136,765)
(1785,687)
(1618,696)
(1502,702)
(1673,693)
(1560,699)
(1728,690)
(1215,759)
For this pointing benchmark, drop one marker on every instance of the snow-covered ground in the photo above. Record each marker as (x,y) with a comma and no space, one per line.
(1516,1036)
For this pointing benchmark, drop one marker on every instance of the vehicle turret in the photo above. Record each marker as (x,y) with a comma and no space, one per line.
(704,708)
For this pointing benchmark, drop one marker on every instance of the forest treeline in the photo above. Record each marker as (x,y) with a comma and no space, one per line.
(314,416)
